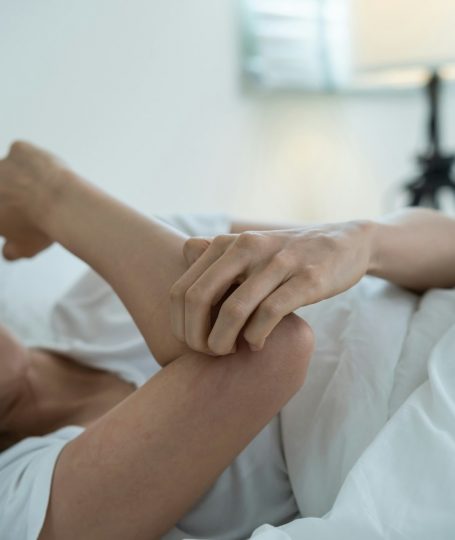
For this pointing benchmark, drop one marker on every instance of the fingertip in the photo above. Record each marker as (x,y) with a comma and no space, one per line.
(255,343)
(254,347)
(218,350)
(194,248)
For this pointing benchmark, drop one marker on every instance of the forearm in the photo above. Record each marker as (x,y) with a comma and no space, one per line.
(141,467)
(414,248)
(140,258)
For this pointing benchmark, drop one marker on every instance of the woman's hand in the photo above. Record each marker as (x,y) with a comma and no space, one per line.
(27,178)
(275,272)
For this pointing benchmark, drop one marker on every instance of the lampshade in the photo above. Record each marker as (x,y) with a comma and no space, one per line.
(402,32)
(395,42)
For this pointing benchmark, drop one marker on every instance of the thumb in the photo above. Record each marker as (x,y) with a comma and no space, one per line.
(194,248)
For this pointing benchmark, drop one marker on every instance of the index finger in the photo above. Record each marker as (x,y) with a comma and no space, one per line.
(206,292)
(181,286)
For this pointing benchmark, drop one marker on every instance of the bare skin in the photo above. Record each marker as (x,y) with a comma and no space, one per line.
(187,424)
(282,270)
(42,391)
(190,441)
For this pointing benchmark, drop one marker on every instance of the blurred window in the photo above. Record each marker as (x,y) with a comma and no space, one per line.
(296,43)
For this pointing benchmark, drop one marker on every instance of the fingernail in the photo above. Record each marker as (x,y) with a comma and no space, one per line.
(254,348)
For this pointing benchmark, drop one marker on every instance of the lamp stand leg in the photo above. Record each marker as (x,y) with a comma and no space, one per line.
(436,168)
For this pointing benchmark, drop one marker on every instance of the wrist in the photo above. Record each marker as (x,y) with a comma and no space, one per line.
(374,232)
(51,201)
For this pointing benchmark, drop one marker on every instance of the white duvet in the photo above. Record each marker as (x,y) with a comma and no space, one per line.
(370,439)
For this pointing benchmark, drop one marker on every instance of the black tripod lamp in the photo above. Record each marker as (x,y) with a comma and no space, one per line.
(404,45)
(435,176)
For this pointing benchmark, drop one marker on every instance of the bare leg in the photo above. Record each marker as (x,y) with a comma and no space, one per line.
(139,468)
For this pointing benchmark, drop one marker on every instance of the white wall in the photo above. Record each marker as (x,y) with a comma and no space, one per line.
(144,98)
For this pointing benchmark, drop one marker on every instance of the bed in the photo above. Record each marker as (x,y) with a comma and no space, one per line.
(28,289)
(370,439)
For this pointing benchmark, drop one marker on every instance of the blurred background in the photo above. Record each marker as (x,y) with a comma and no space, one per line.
(183,106)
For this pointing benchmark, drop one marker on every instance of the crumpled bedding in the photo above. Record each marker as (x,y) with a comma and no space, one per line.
(30,287)
(370,438)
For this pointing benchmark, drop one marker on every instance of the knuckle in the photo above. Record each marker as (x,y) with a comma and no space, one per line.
(282,260)
(270,310)
(312,275)
(194,296)
(249,240)
(327,241)
(234,309)
(222,240)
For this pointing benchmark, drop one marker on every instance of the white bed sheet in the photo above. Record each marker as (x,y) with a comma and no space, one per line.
(370,439)
(29,288)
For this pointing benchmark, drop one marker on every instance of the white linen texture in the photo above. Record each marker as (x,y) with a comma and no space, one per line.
(370,439)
